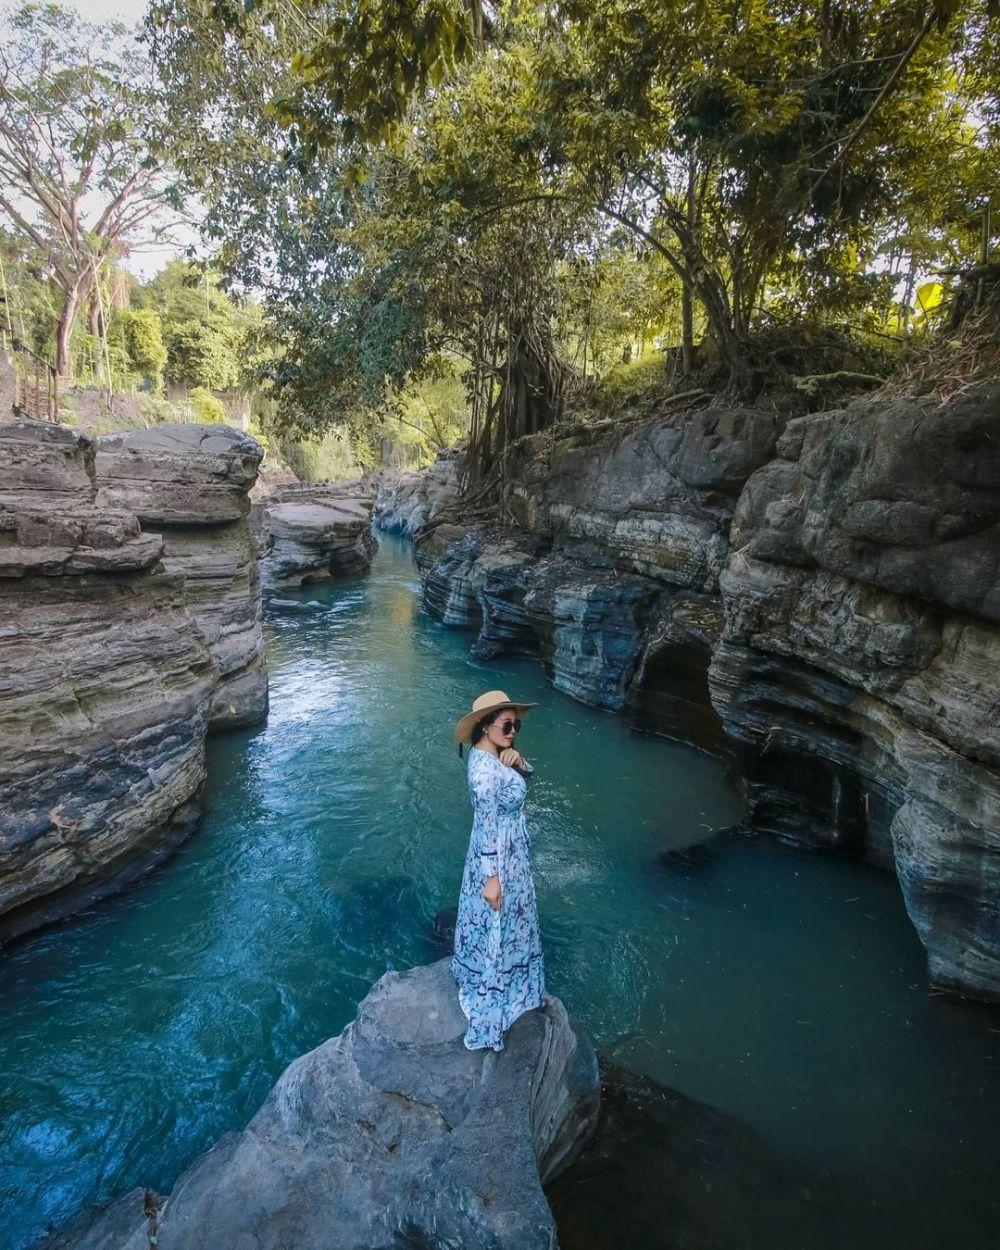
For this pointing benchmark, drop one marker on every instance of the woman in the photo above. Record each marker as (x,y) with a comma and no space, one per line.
(498,953)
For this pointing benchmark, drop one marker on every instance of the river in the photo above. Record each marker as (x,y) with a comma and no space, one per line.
(784,987)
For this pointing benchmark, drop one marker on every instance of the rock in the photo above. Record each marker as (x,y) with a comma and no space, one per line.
(102,1228)
(444,929)
(409,498)
(312,533)
(393,1134)
(190,484)
(816,600)
(656,499)
(857,671)
(179,474)
(105,689)
(269,480)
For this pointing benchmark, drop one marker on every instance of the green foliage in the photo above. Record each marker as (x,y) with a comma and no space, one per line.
(639,385)
(206,406)
(326,459)
(210,339)
(140,334)
(80,181)
(546,195)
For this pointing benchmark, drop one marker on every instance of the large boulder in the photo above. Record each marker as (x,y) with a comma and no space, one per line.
(313,533)
(391,1134)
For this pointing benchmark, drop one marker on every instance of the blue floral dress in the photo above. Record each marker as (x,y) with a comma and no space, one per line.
(498,953)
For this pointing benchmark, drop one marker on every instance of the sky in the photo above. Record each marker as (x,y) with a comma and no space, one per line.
(101,10)
(144,264)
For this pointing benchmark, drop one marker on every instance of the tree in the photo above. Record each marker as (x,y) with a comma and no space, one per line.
(209,338)
(760,153)
(142,343)
(78,179)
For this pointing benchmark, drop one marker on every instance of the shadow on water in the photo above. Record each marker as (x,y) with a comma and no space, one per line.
(774,1002)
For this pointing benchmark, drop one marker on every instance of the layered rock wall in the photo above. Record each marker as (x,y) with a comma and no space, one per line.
(190,484)
(858,668)
(819,600)
(313,533)
(105,685)
(408,498)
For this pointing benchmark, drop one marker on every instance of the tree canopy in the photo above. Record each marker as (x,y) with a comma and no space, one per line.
(526,199)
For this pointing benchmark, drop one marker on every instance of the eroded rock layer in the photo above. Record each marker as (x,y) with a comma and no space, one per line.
(390,1134)
(408,498)
(858,669)
(312,533)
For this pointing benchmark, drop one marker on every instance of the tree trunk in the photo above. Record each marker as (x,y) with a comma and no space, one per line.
(687,286)
(64,330)
(94,314)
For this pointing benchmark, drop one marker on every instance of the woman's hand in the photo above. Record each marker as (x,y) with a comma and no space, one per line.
(510,757)
(491,892)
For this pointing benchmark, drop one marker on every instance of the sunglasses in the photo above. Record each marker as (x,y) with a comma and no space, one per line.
(507,725)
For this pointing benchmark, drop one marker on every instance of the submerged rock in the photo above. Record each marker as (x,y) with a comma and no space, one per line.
(666,1170)
(391,1134)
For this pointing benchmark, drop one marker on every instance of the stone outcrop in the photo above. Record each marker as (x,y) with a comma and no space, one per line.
(190,484)
(858,671)
(611,576)
(816,598)
(313,533)
(269,480)
(409,498)
(390,1134)
(105,685)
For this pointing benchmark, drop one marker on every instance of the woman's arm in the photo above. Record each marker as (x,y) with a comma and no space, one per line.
(485,833)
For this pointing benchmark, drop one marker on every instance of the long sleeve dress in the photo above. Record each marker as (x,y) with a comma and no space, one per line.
(498,953)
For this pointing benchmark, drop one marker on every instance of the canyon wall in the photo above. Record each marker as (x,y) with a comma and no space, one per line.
(125,632)
(816,599)
(190,484)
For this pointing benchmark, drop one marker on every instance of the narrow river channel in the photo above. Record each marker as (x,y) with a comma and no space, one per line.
(782,987)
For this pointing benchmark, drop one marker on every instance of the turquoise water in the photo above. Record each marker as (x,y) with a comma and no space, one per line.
(784,987)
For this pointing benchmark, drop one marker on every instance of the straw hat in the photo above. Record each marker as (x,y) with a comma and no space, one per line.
(491,701)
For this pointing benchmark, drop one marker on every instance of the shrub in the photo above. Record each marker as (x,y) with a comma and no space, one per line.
(206,406)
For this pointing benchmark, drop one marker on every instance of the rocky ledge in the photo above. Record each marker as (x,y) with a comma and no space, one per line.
(121,638)
(312,533)
(391,1134)
(815,598)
